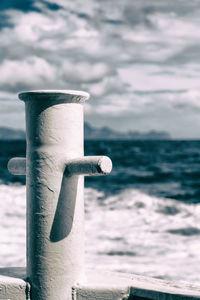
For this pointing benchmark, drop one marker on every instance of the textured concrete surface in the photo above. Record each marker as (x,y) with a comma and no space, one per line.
(55,207)
(103,285)
(54,167)
(87,165)
(13,285)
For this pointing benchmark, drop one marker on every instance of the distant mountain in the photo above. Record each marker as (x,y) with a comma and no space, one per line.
(11,134)
(151,135)
(92,133)
(107,133)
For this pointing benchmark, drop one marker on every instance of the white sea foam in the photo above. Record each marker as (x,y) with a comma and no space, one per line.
(128,232)
(138,233)
(12,225)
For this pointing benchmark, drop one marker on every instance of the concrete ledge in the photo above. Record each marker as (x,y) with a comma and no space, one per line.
(13,285)
(103,285)
(118,286)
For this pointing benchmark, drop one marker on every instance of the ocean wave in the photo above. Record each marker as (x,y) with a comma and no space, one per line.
(12,225)
(139,233)
(128,232)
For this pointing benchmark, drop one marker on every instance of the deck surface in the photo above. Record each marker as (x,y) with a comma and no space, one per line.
(103,285)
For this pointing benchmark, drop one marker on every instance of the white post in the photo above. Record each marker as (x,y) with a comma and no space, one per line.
(55,208)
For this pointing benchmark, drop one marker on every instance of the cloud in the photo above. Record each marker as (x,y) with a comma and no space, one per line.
(84,72)
(135,58)
(32,72)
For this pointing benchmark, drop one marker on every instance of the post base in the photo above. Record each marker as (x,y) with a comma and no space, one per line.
(13,285)
(103,285)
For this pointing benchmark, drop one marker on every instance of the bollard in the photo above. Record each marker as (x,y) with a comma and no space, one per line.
(54,168)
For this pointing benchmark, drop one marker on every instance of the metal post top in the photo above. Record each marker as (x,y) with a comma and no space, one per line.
(68,96)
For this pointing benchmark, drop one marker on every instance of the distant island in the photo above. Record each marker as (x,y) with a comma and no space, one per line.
(106,133)
(92,133)
(11,134)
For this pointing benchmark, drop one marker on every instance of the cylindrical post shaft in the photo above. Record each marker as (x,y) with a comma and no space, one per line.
(55,209)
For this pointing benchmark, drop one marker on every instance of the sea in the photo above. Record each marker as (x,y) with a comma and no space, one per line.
(143,218)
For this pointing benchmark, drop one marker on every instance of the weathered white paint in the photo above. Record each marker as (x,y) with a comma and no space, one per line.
(17,166)
(13,285)
(55,209)
(87,165)
(104,285)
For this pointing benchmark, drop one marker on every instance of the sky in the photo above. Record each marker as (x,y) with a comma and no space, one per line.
(139,60)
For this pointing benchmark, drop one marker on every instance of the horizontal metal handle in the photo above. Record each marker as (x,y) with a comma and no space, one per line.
(17,166)
(87,165)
